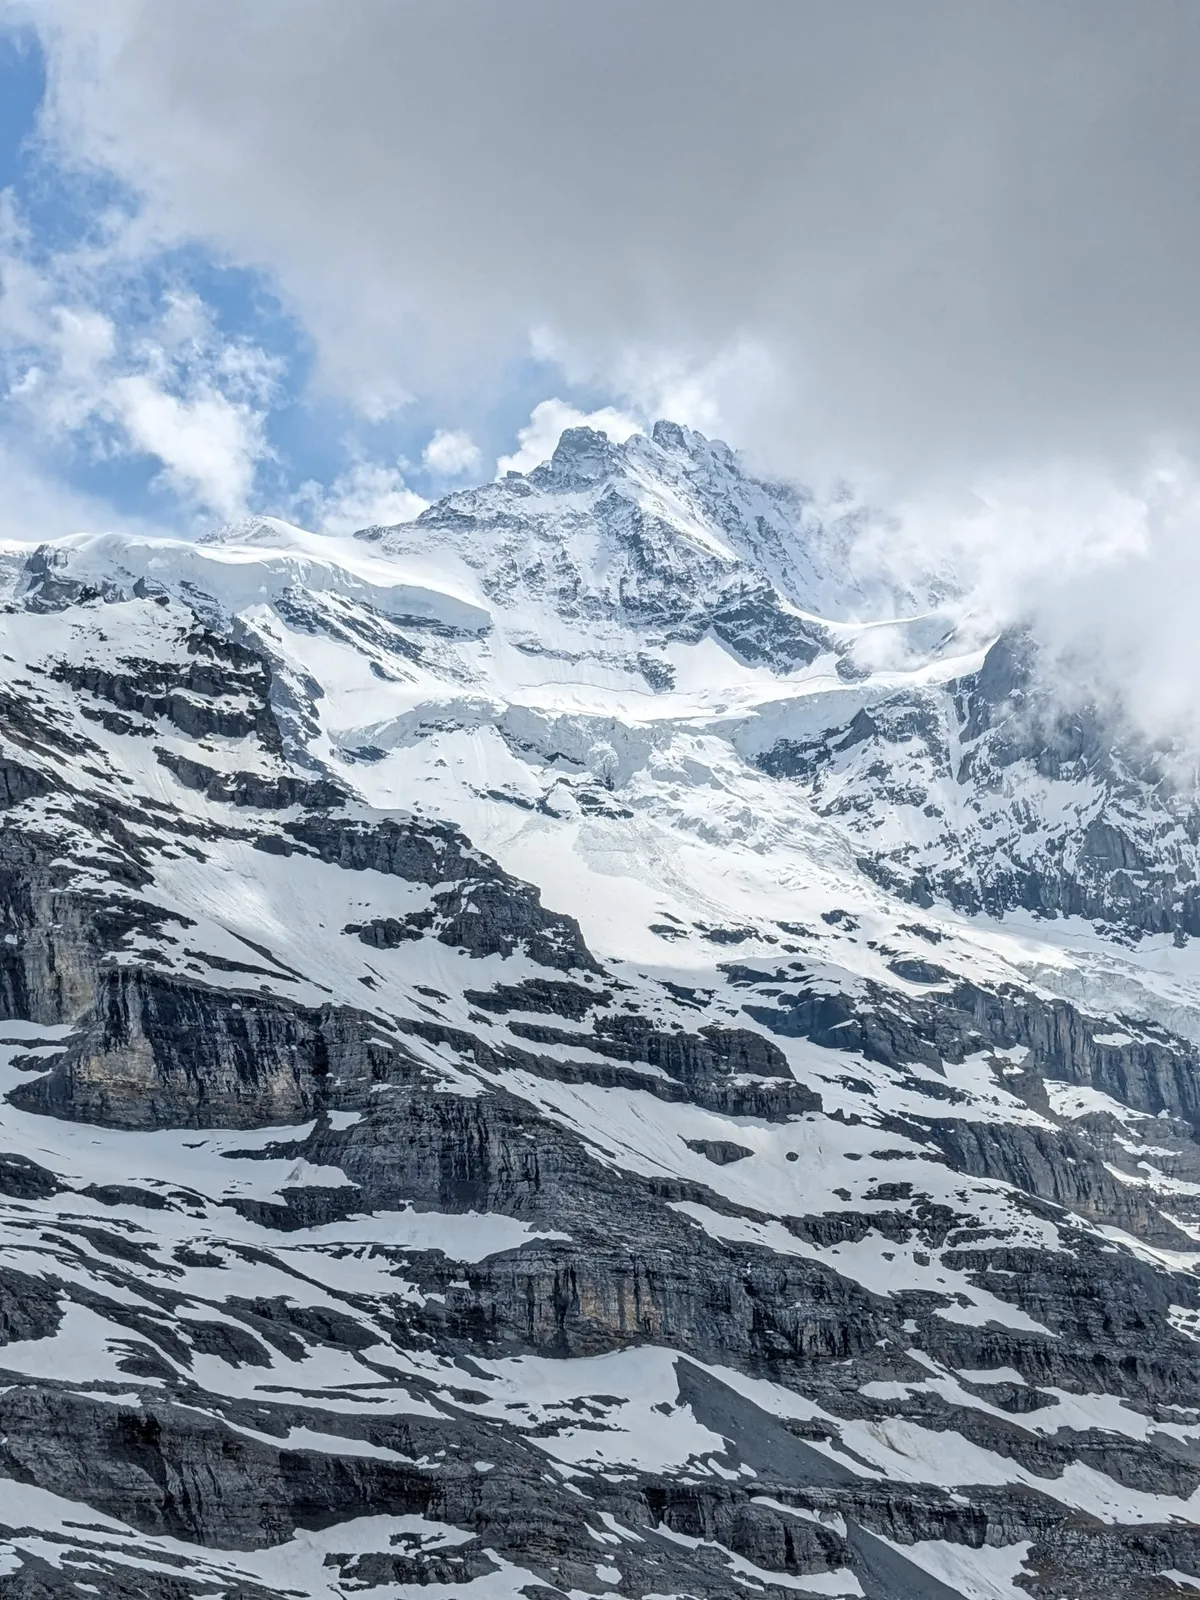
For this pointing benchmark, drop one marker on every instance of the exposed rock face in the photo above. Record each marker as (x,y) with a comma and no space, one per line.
(527,1144)
(275,793)
(163,1053)
(477,907)
(217,687)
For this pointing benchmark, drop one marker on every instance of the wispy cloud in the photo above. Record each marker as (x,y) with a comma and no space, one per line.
(159,382)
(451,453)
(368,494)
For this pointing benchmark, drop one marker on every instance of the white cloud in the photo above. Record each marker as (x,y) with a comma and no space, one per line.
(1104,572)
(547,421)
(795,189)
(209,446)
(369,494)
(451,453)
(378,396)
(167,387)
(84,340)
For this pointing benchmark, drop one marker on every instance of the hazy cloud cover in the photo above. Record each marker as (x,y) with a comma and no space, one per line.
(959,232)
(947,249)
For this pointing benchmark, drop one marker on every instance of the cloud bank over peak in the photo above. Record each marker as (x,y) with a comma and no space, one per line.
(959,234)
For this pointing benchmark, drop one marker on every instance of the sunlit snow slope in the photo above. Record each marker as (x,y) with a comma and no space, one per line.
(583,1045)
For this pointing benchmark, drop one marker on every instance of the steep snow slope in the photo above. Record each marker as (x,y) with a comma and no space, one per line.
(533,1064)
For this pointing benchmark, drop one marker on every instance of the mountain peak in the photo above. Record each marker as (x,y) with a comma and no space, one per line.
(268,532)
(587,455)
(671,435)
(665,523)
(583,455)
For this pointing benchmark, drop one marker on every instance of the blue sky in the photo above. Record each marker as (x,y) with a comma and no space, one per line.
(147,379)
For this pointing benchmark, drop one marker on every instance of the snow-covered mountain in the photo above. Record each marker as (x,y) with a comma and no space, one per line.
(583,1045)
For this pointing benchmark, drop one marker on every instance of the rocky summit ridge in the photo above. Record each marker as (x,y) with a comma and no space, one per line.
(583,1045)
